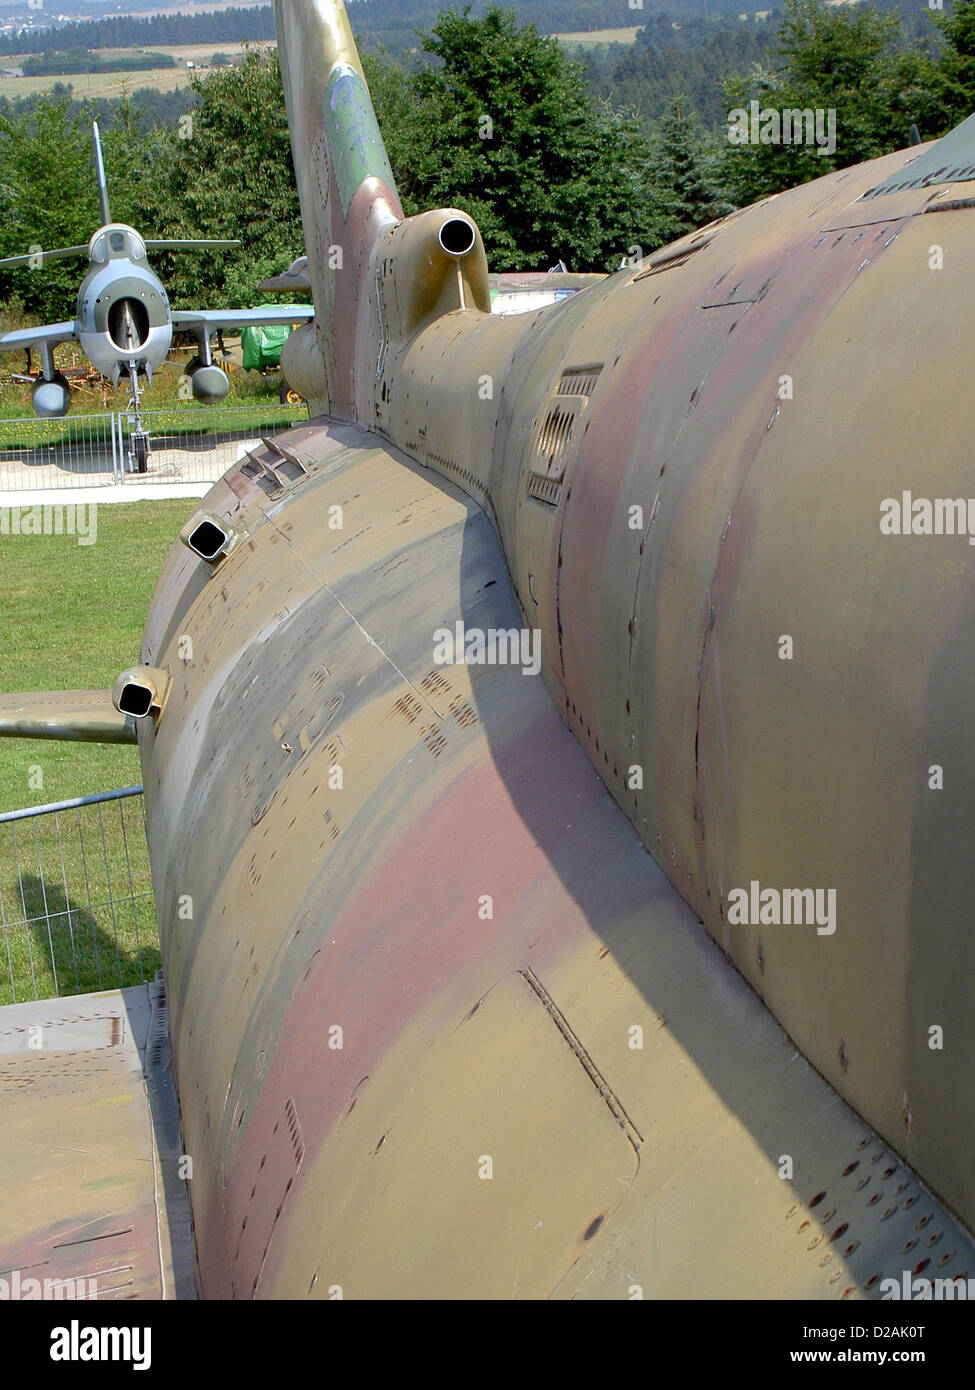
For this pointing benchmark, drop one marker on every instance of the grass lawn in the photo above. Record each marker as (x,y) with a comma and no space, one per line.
(71,618)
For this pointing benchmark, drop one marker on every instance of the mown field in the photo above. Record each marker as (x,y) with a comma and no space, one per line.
(112,84)
(97,84)
(600,36)
(71,618)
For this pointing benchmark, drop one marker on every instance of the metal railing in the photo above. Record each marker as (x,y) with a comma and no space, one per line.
(78,451)
(190,445)
(76,906)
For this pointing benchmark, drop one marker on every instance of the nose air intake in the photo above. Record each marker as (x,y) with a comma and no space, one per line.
(128,325)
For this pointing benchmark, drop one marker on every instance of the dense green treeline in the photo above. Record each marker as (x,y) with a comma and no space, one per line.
(394,23)
(144,106)
(853,65)
(390,22)
(554,159)
(689,62)
(694,59)
(76,60)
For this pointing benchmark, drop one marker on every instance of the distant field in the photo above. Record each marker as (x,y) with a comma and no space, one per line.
(192,52)
(597,36)
(97,84)
(110,84)
(181,8)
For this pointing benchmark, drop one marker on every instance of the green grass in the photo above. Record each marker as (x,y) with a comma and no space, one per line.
(31,432)
(97,398)
(71,618)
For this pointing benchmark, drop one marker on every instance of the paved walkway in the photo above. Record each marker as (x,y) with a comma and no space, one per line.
(90,1146)
(177,468)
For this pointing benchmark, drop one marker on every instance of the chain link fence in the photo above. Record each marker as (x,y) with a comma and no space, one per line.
(77,912)
(185,446)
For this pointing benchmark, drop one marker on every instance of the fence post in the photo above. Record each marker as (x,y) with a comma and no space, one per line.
(188,448)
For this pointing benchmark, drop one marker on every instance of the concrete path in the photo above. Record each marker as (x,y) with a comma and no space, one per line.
(90,1148)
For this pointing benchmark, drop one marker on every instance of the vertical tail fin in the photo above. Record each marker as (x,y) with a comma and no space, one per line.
(100,175)
(345,185)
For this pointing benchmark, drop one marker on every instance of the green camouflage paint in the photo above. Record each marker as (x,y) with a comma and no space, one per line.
(354,136)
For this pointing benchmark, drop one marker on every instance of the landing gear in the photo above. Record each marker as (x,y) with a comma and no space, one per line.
(139,435)
(289,396)
(140,451)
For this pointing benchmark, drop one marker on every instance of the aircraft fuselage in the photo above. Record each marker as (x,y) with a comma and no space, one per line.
(123,309)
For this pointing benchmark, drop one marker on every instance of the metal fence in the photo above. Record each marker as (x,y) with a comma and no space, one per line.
(76,906)
(185,446)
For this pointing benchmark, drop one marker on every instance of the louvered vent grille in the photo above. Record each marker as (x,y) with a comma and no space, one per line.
(559,424)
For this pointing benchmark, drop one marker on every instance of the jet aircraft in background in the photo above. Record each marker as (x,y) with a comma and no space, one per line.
(123,319)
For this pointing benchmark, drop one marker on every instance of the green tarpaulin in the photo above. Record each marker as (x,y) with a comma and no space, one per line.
(262,346)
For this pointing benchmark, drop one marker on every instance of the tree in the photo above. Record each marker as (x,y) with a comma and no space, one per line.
(48,200)
(226,171)
(686,173)
(956,67)
(501,125)
(846,62)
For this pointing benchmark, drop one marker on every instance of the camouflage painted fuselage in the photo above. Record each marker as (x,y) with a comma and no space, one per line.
(441,1026)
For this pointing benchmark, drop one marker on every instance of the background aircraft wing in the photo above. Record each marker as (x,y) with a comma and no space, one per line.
(193,244)
(49,334)
(213,319)
(36,258)
(296,277)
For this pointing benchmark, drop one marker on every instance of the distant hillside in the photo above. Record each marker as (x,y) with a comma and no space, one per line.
(219,26)
(394,22)
(390,22)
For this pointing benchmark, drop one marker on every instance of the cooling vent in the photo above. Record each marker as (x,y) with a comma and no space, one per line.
(543,489)
(555,434)
(570,400)
(273,466)
(579,381)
